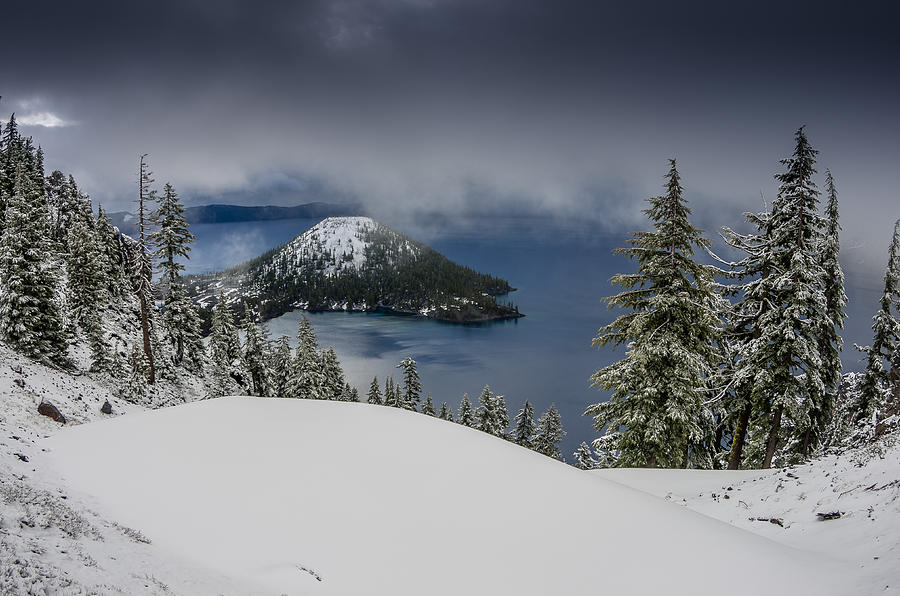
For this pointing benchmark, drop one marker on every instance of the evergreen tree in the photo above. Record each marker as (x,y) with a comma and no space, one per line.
(549,433)
(796,377)
(225,351)
(886,328)
(349,393)
(466,414)
(332,375)
(308,380)
(428,406)
(110,240)
(659,388)
(256,360)
(524,426)
(374,396)
(486,416)
(830,342)
(141,266)
(30,320)
(135,390)
(583,457)
(171,240)
(412,387)
(281,367)
(446,413)
(391,393)
(502,414)
(87,294)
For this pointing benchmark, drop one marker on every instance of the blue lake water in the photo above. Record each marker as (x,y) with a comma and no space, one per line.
(560,270)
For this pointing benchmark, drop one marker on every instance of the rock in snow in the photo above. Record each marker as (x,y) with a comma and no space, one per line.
(313,497)
(51,411)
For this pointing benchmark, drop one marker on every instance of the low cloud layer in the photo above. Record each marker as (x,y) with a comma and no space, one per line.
(465,106)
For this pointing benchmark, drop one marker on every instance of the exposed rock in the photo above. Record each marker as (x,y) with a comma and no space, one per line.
(51,411)
(107,407)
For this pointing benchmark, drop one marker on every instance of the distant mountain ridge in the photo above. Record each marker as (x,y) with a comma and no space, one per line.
(357,264)
(219,213)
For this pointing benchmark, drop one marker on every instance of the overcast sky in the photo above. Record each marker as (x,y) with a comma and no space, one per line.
(463,105)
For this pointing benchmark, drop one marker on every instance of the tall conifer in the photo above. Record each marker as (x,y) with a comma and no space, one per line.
(659,388)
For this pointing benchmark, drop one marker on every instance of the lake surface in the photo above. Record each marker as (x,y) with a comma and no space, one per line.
(561,270)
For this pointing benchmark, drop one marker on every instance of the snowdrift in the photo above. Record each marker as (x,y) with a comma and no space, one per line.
(314,497)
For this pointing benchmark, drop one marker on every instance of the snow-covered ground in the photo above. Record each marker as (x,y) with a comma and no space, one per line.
(862,485)
(50,542)
(275,496)
(298,496)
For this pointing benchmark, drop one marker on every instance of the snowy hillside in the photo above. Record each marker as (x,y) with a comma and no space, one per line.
(357,264)
(796,506)
(338,244)
(312,497)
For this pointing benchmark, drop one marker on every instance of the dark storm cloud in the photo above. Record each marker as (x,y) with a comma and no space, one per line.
(464,105)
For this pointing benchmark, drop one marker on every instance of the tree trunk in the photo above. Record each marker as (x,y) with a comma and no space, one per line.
(773,438)
(804,443)
(740,436)
(145,329)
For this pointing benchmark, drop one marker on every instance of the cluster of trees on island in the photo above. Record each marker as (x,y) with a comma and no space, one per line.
(397,274)
(747,373)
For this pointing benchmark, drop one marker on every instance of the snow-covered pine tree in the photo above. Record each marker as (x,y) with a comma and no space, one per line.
(793,330)
(281,366)
(308,379)
(10,147)
(256,357)
(135,389)
(224,347)
(87,286)
(830,342)
(374,396)
(412,386)
(486,415)
(332,375)
(428,406)
(549,433)
(446,413)
(110,240)
(349,393)
(670,333)
(466,413)
(30,320)
(142,266)
(390,394)
(524,430)
(502,414)
(886,329)
(171,241)
(584,459)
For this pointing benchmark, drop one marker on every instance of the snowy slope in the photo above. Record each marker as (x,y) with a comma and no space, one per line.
(51,543)
(311,497)
(863,485)
(341,241)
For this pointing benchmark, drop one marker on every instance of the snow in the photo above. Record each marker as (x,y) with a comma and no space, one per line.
(51,542)
(342,237)
(300,496)
(863,485)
